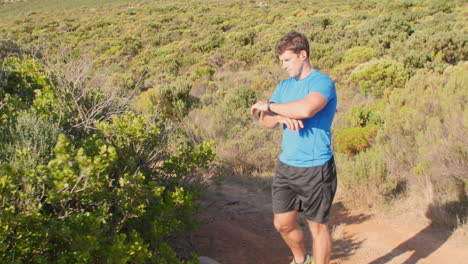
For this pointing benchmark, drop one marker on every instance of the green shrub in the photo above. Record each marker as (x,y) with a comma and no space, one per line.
(101,201)
(434,49)
(385,30)
(226,25)
(246,54)
(22,77)
(170,64)
(365,114)
(31,134)
(365,179)
(146,101)
(353,140)
(253,150)
(212,41)
(441,6)
(8,108)
(240,99)
(223,120)
(243,38)
(425,139)
(379,77)
(163,38)
(8,48)
(206,72)
(452,47)
(358,55)
(131,46)
(174,101)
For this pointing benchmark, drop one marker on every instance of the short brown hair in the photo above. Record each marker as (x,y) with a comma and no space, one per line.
(294,41)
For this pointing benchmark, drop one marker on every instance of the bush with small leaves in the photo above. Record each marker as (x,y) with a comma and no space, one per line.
(365,179)
(424,137)
(243,38)
(28,133)
(21,77)
(365,114)
(379,77)
(212,41)
(174,101)
(356,139)
(358,55)
(86,204)
(8,48)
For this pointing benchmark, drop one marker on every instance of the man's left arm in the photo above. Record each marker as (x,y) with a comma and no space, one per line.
(301,109)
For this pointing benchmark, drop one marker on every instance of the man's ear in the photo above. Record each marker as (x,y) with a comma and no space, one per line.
(303,54)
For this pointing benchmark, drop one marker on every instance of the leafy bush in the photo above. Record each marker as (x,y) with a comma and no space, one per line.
(358,55)
(441,6)
(93,203)
(146,101)
(356,139)
(425,140)
(113,190)
(383,31)
(434,49)
(379,77)
(243,38)
(206,72)
(22,77)
(365,114)
(30,134)
(174,101)
(212,41)
(224,120)
(246,155)
(8,48)
(240,98)
(365,178)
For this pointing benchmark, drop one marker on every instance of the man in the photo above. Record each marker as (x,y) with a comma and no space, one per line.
(305,179)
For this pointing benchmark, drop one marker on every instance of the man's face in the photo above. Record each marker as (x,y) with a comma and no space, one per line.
(293,63)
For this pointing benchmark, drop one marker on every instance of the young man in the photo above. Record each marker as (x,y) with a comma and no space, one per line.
(305,179)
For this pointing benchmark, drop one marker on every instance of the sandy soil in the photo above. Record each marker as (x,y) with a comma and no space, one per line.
(238,229)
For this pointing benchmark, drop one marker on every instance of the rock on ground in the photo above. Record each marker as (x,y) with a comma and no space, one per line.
(207,260)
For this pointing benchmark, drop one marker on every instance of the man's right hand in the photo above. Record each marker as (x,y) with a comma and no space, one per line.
(291,124)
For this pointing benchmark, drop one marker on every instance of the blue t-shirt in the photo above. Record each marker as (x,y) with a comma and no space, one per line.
(311,145)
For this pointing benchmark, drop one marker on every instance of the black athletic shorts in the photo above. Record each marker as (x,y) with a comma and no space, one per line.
(308,190)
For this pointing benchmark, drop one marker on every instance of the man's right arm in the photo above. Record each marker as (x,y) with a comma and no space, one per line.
(271,120)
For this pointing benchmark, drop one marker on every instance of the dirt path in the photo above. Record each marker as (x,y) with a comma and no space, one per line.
(238,229)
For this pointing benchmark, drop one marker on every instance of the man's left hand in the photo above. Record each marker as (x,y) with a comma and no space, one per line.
(259,106)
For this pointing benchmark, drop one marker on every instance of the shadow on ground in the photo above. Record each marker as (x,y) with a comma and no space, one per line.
(344,245)
(423,243)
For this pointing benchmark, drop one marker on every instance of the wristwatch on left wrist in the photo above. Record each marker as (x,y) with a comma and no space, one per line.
(268,106)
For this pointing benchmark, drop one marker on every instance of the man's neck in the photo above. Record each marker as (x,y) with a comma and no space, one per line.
(306,70)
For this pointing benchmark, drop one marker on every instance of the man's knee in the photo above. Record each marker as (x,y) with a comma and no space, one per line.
(317,228)
(286,222)
(285,227)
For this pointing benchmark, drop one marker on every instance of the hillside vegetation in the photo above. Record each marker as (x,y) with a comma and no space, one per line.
(111,114)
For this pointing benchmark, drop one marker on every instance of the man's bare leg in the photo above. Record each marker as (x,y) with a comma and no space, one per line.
(322,242)
(292,234)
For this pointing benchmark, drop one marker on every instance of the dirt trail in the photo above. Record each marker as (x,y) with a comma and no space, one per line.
(238,229)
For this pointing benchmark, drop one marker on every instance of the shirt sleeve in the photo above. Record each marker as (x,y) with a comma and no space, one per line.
(325,87)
